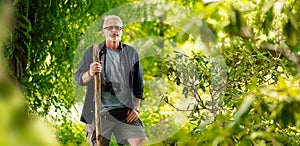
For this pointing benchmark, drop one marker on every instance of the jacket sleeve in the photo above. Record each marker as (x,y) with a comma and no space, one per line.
(83,66)
(138,82)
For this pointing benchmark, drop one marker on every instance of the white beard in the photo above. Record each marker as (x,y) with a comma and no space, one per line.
(114,39)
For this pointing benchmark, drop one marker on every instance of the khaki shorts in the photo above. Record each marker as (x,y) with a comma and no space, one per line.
(122,131)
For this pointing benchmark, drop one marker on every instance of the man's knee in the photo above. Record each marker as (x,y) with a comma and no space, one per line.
(137,141)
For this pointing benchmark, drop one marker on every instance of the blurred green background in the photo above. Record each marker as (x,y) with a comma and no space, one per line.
(216,72)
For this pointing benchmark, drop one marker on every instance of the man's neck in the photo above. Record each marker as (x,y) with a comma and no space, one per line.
(114,45)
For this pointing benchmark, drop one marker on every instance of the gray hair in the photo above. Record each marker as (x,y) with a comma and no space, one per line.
(112,17)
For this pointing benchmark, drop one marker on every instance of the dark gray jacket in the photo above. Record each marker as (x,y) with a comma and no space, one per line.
(130,60)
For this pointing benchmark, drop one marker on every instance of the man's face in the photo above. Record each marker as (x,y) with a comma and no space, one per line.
(112,30)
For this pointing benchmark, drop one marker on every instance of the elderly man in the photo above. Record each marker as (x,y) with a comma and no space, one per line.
(122,88)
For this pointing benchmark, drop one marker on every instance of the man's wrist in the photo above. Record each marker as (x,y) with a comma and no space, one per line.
(89,74)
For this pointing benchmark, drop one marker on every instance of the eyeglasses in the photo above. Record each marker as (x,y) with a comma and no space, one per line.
(117,28)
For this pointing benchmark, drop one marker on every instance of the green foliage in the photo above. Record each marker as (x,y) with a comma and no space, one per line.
(252,119)
(259,43)
(40,54)
(16,128)
(42,48)
(71,133)
(283,109)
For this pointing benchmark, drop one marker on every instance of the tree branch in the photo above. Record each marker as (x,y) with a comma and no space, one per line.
(286,52)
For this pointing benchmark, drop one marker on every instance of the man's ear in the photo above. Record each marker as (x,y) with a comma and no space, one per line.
(102,32)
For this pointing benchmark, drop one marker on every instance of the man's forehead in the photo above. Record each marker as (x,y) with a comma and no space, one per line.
(112,22)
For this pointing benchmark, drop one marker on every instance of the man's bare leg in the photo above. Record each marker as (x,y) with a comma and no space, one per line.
(137,141)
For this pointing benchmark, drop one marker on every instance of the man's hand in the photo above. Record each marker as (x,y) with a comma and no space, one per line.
(132,115)
(95,67)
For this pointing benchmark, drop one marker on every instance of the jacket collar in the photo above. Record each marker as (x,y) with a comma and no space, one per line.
(102,46)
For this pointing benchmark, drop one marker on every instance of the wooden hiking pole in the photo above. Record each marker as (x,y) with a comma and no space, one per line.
(97,96)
